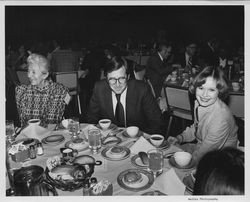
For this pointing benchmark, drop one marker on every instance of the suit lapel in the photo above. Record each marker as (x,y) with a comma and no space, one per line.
(129,101)
(108,97)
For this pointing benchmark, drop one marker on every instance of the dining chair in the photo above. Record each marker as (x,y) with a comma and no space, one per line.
(236,105)
(70,80)
(151,87)
(23,77)
(178,104)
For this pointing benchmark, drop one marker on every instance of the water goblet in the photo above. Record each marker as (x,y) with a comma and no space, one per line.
(94,139)
(74,127)
(155,165)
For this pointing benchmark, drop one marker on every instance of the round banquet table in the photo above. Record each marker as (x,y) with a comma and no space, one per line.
(108,170)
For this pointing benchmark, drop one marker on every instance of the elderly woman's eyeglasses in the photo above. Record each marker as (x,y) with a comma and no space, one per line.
(121,80)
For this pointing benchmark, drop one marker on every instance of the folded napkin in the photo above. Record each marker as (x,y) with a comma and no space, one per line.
(34,131)
(141,145)
(169,183)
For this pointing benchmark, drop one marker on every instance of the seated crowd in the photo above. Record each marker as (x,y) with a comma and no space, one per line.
(127,101)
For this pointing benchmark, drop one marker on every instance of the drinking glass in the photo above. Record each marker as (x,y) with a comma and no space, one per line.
(74,127)
(94,138)
(155,158)
(10,131)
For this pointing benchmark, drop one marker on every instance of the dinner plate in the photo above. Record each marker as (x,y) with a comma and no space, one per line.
(153,193)
(111,127)
(107,155)
(189,183)
(139,134)
(191,165)
(136,161)
(81,145)
(53,139)
(113,141)
(145,183)
(26,141)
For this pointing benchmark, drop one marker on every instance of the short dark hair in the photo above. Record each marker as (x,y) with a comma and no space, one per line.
(220,172)
(162,45)
(114,64)
(218,75)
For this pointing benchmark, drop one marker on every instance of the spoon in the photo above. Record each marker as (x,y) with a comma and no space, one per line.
(144,157)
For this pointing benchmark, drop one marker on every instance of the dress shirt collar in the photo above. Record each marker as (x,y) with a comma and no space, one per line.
(187,58)
(160,56)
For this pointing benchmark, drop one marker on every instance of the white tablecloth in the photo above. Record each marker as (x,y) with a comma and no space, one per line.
(108,170)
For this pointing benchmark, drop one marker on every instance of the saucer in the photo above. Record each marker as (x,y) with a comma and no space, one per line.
(139,134)
(109,156)
(191,165)
(153,193)
(145,183)
(80,146)
(165,145)
(136,161)
(53,139)
(111,127)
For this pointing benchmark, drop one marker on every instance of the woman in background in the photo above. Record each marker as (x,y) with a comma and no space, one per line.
(214,125)
(42,99)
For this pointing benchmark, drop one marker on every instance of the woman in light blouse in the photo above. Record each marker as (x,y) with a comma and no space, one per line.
(214,125)
(42,98)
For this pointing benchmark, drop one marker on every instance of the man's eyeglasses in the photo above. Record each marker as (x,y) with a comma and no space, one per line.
(121,80)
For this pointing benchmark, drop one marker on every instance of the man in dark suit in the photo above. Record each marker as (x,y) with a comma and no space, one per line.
(125,102)
(188,59)
(156,69)
(209,52)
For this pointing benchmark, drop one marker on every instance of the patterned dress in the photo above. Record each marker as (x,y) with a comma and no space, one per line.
(46,103)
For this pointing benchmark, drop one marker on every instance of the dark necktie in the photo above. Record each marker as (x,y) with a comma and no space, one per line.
(119,112)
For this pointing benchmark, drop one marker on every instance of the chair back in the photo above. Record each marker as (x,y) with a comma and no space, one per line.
(23,77)
(69,80)
(178,98)
(236,105)
(151,87)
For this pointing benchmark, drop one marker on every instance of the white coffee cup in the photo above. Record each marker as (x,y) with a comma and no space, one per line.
(132,131)
(105,123)
(156,139)
(182,158)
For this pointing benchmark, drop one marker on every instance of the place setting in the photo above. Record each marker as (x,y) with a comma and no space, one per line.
(53,140)
(135,179)
(182,160)
(115,153)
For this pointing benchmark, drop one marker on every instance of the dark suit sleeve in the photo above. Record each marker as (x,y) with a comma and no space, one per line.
(94,106)
(156,65)
(152,113)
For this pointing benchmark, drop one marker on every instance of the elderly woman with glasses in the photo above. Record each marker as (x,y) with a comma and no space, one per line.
(125,102)
(42,99)
(214,125)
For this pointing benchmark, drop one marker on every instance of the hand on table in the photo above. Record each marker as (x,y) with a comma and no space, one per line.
(173,140)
